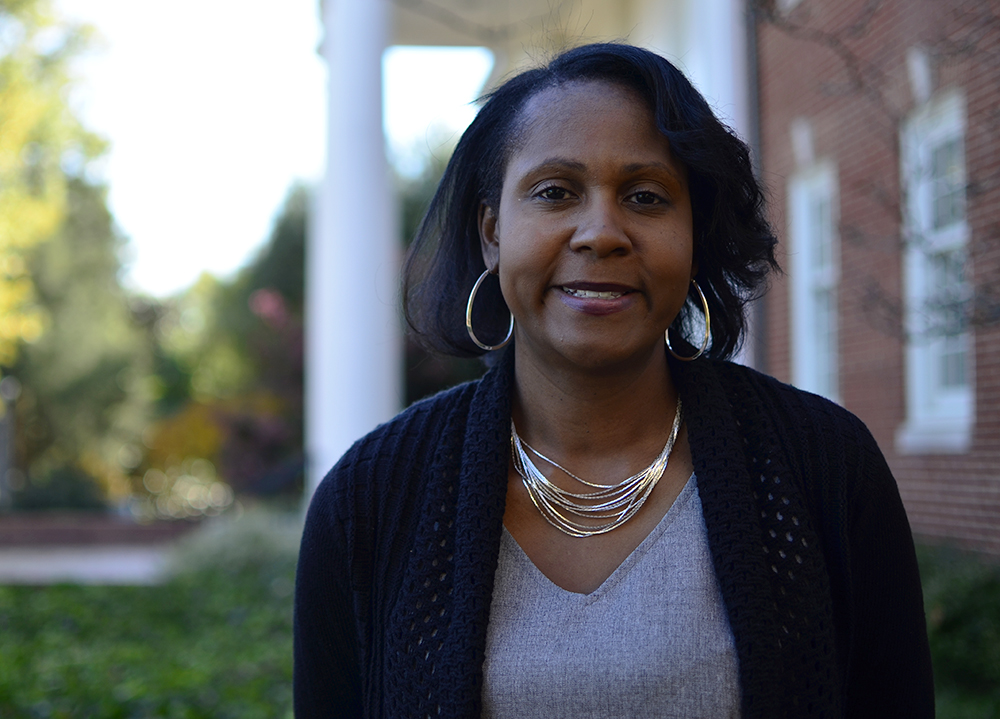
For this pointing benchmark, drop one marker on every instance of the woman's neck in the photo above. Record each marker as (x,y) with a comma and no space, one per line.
(610,419)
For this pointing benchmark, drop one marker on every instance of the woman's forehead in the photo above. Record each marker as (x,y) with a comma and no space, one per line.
(580,97)
(581,116)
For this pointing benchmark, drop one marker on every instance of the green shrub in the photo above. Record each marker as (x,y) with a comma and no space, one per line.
(962,600)
(214,641)
(65,487)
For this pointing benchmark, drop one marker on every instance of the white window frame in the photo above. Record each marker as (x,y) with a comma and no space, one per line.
(939,417)
(815,272)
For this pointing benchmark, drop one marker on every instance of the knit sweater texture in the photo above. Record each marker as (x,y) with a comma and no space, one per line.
(809,542)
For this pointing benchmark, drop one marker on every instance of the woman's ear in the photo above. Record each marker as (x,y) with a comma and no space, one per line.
(488,239)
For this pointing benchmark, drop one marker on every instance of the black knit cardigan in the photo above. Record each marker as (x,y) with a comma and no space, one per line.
(809,541)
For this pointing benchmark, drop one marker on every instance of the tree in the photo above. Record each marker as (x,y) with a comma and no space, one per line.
(236,347)
(41,141)
(86,381)
(65,330)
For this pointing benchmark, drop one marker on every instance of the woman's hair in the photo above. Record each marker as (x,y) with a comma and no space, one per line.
(733,242)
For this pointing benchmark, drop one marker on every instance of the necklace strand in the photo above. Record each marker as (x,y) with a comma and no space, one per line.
(616,502)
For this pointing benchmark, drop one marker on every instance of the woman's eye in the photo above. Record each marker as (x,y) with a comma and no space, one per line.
(646,198)
(554,193)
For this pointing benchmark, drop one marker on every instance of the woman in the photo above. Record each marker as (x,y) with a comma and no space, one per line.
(614,521)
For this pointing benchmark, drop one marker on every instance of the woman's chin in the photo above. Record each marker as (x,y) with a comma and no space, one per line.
(601,355)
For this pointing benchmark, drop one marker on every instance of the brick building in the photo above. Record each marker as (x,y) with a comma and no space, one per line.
(879,141)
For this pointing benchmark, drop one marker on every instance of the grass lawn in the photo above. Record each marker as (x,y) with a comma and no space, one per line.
(216,640)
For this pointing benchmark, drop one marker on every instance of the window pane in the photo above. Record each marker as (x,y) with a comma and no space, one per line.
(820,231)
(947,184)
(947,293)
(953,362)
(813,208)
(947,302)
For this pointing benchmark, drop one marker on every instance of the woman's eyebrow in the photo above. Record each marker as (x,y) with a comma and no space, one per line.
(557,163)
(655,165)
(564,163)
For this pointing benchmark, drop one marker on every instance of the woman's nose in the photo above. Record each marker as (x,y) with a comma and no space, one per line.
(601,228)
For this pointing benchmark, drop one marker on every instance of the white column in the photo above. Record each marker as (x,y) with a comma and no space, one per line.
(720,32)
(353,341)
(707,41)
(715,59)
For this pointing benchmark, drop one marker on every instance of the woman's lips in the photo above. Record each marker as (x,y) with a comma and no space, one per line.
(596,299)
(592,294)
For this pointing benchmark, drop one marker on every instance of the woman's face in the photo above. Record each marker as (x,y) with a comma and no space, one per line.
(593,235)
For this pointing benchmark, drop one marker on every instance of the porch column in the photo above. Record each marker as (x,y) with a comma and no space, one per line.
(353,343)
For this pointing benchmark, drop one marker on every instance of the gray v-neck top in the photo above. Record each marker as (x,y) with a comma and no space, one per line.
(652,641)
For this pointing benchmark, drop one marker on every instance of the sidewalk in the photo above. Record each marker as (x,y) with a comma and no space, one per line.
(82,548)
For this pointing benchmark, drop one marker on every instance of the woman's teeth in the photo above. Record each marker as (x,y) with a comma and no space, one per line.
(592,294)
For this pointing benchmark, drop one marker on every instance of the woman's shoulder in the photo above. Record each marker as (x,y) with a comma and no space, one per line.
(832,448)
(772,418)
(381,473)
(786,403)
(431,409)
(410,434)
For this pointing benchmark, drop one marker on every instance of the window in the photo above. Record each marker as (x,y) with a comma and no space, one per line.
(815,256)
(939,382)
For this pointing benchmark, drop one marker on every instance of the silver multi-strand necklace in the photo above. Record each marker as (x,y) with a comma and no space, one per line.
(616,502)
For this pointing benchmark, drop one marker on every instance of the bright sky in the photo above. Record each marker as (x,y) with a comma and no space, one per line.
(427,99)
(213,108)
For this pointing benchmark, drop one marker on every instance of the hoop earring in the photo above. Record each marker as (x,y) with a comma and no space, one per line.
(708,328)
(468,318)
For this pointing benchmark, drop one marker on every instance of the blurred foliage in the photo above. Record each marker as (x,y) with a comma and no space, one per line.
(168,408)
(962,601)
(192,431)
(83,400)
(68,345)
(212,642)
(188,489)
(62,488)
(229,381)
(42,144)
(280,265)
(135,393)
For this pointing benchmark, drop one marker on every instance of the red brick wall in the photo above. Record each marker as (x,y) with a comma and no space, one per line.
(842,65)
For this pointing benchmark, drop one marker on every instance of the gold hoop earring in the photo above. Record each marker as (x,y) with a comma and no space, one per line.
(708,330)
(468,318)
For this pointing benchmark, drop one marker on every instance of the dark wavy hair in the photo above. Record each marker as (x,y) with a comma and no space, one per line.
(733,242)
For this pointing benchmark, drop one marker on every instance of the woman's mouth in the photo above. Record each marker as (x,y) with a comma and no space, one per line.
(596,299)
(592,294)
